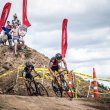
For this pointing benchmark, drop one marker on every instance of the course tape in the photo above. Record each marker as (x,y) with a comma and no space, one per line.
(82,74)
(37,69)
(7,73)
(45,72)
(90,77)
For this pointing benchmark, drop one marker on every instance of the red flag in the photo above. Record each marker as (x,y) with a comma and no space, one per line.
(4,15)
(25,19)
(64,37)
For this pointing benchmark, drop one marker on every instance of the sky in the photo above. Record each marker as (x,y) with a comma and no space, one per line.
(88,31)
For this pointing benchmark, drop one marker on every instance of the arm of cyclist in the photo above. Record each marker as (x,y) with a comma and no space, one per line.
(51,71)
(65,65)
(37,73)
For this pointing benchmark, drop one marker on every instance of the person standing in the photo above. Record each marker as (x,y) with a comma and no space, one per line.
(9,27)
(15,34)
(15,20)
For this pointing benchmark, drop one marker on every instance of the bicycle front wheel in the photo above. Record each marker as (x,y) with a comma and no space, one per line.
(57,89)
(41,89)
(67,89)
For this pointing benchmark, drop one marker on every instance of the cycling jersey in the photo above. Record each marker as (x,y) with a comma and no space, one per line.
(54,64)
(28,70)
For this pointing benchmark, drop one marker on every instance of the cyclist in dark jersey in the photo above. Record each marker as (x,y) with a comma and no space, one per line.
(28,69)
(54,64)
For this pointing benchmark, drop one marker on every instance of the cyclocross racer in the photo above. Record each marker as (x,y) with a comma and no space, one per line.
(28,69)
(54,64)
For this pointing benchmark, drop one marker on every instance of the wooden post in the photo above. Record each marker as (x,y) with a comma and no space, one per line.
(75,86)
(89,89)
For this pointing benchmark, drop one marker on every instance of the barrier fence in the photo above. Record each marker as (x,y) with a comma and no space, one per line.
(76,81)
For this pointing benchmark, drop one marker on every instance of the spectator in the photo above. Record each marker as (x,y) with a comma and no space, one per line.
(6,32)
(22,32)
(8,25)
(15,20)
(8,28)
(15,34)
(3,39)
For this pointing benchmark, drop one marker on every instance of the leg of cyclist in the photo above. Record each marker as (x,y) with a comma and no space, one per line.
(59,69)
(54,74)
(27,76)
(35,86)
(29,79)
(63,71)
(52,71)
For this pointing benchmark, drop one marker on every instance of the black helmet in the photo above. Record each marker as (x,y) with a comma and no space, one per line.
(58,56)
(28,63)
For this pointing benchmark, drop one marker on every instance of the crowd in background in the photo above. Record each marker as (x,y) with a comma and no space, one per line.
(12,34)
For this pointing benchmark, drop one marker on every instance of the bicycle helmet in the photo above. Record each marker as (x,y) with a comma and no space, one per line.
(58,56)
(27,63)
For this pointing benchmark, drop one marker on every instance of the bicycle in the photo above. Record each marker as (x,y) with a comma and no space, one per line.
(35,88)
(59,88)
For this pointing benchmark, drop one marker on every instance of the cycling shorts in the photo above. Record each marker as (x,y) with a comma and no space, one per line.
(16,39)
(29,76)
(55,68)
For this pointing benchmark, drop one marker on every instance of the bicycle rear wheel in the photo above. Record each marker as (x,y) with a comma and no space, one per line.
(57,89)
(41,89)
(67,89)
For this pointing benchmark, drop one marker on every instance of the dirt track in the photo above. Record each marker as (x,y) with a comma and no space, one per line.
(10,85)
(12,102)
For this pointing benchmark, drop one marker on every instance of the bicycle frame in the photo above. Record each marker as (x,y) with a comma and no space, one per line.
(63,85)
(37,88)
